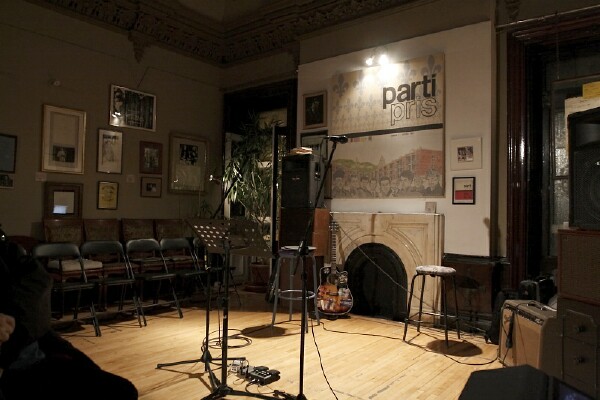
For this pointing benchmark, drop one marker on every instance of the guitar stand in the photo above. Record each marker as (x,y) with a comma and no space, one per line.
(222,236)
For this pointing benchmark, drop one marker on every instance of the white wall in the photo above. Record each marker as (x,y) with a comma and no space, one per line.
(469,89)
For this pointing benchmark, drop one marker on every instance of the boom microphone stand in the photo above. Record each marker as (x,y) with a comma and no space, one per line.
(303,252)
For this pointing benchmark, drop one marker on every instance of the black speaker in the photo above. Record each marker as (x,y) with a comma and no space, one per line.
(584,167)
(300,180)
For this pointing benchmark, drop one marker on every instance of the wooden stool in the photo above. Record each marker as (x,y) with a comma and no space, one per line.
(442,273)
(294,294)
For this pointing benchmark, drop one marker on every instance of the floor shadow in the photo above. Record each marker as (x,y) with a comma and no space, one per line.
(454,348)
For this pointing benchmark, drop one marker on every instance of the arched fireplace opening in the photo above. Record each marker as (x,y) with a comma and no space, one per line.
(373,292)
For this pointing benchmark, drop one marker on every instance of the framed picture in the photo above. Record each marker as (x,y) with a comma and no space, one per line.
(318,143)
(150,187)
(62,200)
(132,109)
(188,159)
(8,153)
(63,140)
(110,151)
(315,110)
(150,158)
(108,195)
(6,182)
(465,154)
(463,190)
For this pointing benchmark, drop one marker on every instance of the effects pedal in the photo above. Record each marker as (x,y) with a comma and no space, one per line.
(263,375)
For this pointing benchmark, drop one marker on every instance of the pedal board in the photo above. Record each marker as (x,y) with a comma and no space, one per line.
(263,375)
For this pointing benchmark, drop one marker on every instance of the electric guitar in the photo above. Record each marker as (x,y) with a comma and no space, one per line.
(333,295)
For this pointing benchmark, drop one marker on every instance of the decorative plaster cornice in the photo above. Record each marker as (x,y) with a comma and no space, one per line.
(166,23)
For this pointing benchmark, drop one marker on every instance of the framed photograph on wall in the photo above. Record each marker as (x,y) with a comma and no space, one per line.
(150,158)
(150,186)
(132,109)
(465,154)
(6,182)
(62,200)
(110,151)
(188,160)
(63,140)
(8,153)
(315,110)
(463,190)
(108,195)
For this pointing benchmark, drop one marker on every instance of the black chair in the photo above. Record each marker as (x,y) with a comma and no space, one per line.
(116,272)
(152,267)
(181,257)
(61,259)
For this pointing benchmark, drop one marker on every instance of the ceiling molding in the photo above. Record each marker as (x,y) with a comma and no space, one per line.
(167,24)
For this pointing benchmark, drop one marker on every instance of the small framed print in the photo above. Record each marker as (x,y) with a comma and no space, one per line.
(110,151)
(6,182)
(150,186)
(151,158)
(63,140)
(188,160)
(463,190)
(62,200)
(465,154)
(108,195)
(8,153)
(315,110)
(132,108)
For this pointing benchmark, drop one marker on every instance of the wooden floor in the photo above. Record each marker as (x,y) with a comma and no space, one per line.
(355,358)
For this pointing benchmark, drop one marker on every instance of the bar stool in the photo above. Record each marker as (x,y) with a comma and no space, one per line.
(291,294)
(434,271)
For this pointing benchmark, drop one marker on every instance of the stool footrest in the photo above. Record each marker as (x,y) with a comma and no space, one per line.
(295,294)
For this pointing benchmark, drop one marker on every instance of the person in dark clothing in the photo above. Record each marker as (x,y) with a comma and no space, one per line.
(35,362)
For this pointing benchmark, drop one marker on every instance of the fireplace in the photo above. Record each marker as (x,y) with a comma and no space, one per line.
(381,251)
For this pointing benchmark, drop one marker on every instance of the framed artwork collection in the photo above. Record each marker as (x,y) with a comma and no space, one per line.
(63,140)
(188,157)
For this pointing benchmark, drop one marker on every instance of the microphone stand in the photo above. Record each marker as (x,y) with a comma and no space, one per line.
(303,252)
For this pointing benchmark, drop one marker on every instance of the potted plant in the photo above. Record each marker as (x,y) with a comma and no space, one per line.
(248,178)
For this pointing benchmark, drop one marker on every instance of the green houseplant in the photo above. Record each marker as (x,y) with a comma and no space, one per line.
(248,178)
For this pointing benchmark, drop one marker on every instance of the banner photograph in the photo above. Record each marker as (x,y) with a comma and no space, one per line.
(394,118)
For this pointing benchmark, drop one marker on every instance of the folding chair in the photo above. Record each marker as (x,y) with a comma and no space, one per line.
(180,256)
(62,260)
(147,256)
(116,272)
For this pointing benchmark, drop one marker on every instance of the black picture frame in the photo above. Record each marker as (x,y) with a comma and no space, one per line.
(63,200)
(463,190)
(8,153)
(315,110)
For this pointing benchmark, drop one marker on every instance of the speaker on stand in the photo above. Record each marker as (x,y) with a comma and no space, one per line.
(301,176)
(584,169)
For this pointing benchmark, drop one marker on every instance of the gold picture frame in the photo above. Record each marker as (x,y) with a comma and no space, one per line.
(188,161)
(63,140)
(108,195)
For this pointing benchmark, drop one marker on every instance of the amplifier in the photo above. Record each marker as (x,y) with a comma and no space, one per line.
(530,334)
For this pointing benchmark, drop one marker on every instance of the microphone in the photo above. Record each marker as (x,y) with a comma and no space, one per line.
(338,139)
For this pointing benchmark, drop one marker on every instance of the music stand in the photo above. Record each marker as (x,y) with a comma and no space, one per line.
(227,237)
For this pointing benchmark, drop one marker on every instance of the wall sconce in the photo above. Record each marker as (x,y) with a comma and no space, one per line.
(379,56)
